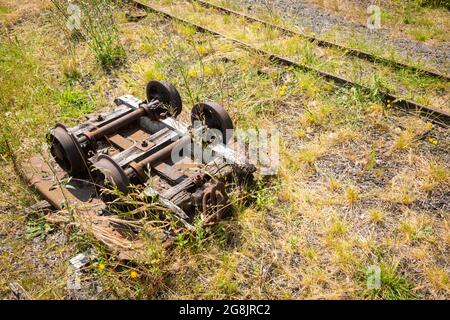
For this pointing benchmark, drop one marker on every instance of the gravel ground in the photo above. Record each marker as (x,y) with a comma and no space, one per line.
(319,21)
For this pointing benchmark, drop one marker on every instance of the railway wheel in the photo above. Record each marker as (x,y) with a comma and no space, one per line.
(66,150)
(111,173)
(214,116)
(167,94)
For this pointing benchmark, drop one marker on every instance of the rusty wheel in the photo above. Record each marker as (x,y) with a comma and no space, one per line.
(214,202)
(214,116)
(110,172)
(167,94)
(66,150)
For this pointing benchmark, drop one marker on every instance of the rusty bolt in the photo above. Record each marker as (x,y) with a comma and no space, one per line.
(198,179)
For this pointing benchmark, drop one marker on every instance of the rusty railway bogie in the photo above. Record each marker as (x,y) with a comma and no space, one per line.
(136,143)
(206,117)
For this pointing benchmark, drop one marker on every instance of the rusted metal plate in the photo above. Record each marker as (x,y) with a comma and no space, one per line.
(120,142)
(50,181)
(139,135)
(173,175)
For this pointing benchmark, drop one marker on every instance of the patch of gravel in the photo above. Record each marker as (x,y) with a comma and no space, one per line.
(320,21)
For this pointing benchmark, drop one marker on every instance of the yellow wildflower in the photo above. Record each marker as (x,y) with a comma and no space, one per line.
(133,274)
(282,90)
(101,266)
(432,141)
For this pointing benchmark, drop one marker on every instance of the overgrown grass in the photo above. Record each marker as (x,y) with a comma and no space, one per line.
(335,205)
(74,104)
(393,286)
(380,77)
(432,3)
(22,92)
(93,21)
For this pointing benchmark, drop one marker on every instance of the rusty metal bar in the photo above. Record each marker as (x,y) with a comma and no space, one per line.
(115,125)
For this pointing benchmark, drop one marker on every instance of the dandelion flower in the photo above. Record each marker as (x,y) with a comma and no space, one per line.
(133,274)
(101,266)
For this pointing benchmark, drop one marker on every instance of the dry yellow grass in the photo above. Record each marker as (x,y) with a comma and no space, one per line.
(402,18)
(12,11)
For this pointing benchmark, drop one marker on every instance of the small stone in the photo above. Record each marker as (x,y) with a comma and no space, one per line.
(79,261)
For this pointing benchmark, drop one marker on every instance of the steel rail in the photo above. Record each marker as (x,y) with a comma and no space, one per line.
(325,43)
(433,114)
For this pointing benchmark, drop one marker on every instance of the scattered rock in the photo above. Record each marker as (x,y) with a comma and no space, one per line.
(82,259)
(79,261)
(42,205)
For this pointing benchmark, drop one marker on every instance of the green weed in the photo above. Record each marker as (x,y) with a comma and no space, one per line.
(74,104)
(97,27)
(393,286)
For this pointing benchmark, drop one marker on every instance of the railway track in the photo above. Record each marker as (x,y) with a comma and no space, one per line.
(324,43)
(433,114)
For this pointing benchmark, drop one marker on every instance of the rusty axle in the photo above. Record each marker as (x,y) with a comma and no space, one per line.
(117,124)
